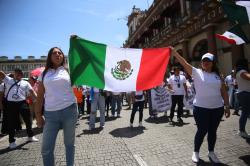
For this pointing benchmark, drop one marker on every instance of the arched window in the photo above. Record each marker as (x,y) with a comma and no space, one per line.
(200,48)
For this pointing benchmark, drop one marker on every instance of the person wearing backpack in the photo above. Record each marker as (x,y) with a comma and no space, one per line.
(17,90)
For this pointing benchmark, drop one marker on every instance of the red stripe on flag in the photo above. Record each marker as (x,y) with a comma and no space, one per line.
(230,41)
(152,68)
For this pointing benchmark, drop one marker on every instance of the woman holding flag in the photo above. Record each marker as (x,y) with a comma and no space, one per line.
(209,101)
(60,110)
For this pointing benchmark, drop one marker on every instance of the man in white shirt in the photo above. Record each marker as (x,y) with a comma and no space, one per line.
(178,87)
(16,93)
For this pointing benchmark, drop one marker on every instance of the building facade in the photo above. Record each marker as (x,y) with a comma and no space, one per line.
(26,65)
(188,25)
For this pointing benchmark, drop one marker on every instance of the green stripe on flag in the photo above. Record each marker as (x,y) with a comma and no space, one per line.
(87,62)
(235,13)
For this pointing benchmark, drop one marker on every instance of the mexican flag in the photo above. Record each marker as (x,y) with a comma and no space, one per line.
(116,69)
(234,36)
(237,12)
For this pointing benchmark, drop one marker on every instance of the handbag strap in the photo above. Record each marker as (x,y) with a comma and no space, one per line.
(11,88)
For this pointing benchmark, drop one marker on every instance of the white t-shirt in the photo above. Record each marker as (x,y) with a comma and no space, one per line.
(207,87)
(243,84)
(58,91)
(2,87)
(229,80)
(176,83)
(19,91)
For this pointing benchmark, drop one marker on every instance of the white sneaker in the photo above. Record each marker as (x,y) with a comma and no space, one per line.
(195,157)
(212,156)
(140,124)
(32,139)
(243,134)
(118,115)
(165,114)
(12,145)
(131,125)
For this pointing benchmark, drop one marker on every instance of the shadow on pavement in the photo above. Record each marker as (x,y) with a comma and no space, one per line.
(158,120)
(93,131)
(23,132)
(246,159)
(19,147)
(127,132)
(205,163)
(178,124)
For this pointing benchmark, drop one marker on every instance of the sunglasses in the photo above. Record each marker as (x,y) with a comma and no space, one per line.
(206,60)
(57,52)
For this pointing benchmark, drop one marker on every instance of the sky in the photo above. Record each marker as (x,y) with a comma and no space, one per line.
(32,27)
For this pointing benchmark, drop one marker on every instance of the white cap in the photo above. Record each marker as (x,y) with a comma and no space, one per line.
(208,56)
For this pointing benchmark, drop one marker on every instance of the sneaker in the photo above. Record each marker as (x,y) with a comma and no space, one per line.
(243,134)
(195,157)
(32,139)
(165,114)
(131,125)
(118,115)
(12,145)
(140,124)
(90,128)
(212,157)
(102,126)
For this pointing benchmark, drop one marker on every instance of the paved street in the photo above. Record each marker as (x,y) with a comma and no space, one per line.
(156,144)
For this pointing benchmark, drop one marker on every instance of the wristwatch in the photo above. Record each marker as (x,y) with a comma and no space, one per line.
(227,107)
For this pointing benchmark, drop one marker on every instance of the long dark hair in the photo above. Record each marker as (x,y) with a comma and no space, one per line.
(242,64)
(49,63)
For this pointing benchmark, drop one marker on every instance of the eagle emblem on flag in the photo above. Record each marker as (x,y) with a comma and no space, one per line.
(122,70)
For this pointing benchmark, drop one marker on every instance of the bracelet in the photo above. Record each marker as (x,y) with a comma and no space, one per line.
(227,107)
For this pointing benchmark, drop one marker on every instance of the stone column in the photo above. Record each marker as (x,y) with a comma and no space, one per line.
(212,48)
(237,52)
(185,49)
(183,8)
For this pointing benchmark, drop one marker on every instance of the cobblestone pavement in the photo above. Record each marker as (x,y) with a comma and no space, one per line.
(156,144)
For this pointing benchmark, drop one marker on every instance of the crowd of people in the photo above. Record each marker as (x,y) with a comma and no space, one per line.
(214,97)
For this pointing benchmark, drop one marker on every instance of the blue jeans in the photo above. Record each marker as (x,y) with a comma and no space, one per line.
(98,102)
(244,100)
(54,121)
(207,121)
(116,104)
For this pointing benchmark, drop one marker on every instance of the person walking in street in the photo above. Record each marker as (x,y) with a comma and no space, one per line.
(243,80)
(97,102)
(211,95)
(60,110)
(138,105)
(16,94)
(116,104)
(178,88)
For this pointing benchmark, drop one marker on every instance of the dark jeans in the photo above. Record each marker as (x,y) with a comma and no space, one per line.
(177,99)
(137,105)
(108,103)
(207,121)
(14,109)
(244,100)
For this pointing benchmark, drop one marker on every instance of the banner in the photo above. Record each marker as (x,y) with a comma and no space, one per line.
(161,99)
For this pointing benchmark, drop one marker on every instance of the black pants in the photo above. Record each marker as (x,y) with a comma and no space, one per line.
(108,103)
(137,105)
(14,109)
(207,121)
(4,129)
(177,99)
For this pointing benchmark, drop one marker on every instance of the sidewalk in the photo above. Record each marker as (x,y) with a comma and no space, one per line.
(156,144)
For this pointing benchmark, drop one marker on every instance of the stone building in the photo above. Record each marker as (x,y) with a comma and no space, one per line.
(188,25)
(26,65)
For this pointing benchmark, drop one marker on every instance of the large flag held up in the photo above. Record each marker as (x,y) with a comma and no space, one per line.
(234,36)
(239,12)
(116,69)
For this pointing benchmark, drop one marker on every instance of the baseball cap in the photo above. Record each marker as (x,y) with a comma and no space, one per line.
(208,56)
